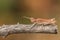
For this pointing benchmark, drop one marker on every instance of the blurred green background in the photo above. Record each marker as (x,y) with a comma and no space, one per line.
(11,11)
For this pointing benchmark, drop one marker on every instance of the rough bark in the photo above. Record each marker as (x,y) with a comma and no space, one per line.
(5,30)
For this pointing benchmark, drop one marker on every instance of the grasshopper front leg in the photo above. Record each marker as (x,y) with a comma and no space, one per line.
(33,25)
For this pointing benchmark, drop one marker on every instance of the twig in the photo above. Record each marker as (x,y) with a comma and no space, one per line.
(5,30)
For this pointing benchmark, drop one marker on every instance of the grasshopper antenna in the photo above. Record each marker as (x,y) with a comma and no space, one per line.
(26,17)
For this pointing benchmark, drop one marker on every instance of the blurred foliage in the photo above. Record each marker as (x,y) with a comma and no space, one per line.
(9,12)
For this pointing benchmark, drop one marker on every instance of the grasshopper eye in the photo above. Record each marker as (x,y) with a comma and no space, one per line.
(52,19)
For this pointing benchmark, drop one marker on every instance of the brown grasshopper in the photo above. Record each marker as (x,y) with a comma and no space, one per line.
(41,20)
